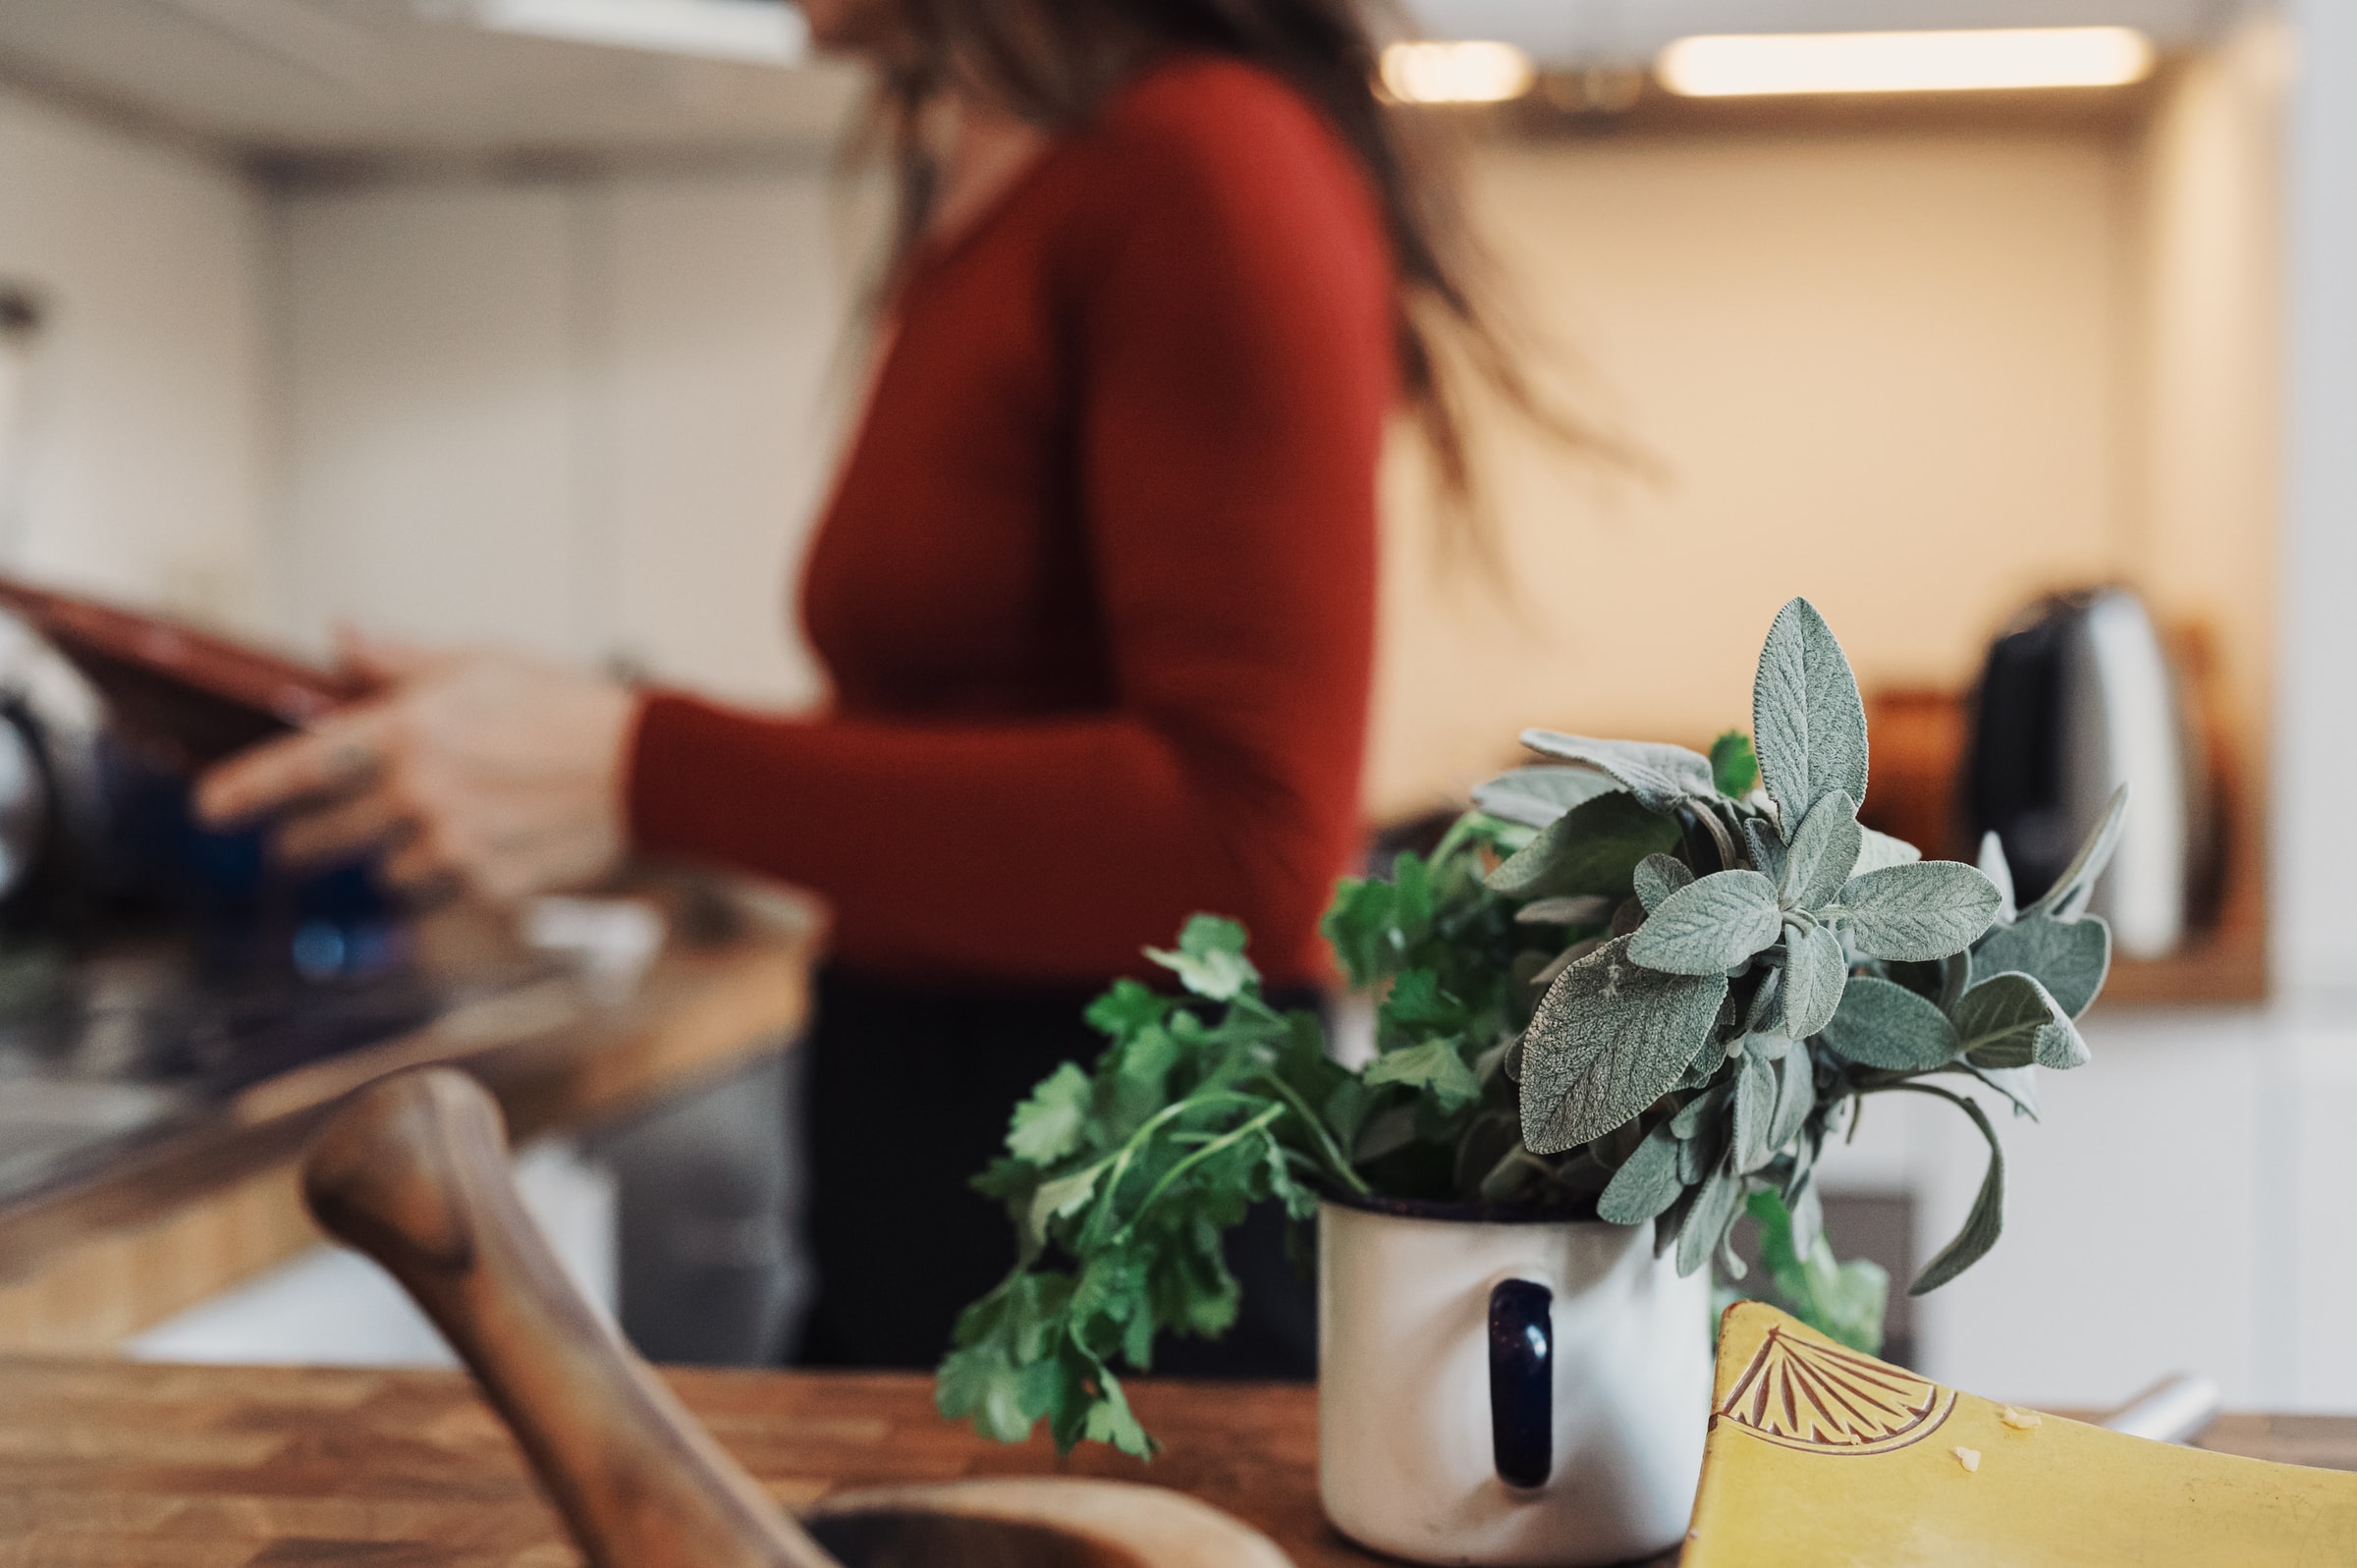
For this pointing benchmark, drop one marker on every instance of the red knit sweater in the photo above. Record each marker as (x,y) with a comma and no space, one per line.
(1097,587)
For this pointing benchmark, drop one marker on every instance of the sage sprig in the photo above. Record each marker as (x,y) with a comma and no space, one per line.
(1780,962)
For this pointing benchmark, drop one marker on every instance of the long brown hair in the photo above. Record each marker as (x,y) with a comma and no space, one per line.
(1055,62)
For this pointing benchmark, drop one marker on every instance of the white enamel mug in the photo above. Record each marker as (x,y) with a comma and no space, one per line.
(1506,1394)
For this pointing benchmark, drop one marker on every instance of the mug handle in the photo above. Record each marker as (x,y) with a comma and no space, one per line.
(1522,1381)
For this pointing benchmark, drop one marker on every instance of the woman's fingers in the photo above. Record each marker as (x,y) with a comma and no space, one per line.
(345,831)
(340,753)
(478,769)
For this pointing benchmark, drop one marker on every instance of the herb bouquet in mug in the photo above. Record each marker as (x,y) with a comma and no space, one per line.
(1633,983)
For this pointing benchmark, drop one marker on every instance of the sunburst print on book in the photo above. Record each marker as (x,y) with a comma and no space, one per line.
(1815,1397)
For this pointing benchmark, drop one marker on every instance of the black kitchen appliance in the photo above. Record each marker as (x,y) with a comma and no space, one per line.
(2079,696)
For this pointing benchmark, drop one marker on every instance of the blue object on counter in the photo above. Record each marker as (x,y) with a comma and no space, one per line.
(242,910)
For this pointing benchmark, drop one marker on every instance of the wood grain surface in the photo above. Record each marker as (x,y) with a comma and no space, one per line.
(144,1465)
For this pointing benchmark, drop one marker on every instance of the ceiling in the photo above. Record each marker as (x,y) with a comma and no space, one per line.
(333,80)
(322,83)
(1633,31)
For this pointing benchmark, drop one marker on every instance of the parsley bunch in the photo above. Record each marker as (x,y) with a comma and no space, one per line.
(1133,1175)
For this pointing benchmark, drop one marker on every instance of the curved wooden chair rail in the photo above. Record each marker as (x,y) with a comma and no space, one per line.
(414,1172)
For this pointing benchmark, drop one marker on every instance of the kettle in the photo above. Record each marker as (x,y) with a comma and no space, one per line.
(2078,697)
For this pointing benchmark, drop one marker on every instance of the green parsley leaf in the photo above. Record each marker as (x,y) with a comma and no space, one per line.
(1734,765)
(1210,958)
(1436,1068)
(982,1384)
(1357,925)
(1127,1009)
(1111,1421)
(1047,1126)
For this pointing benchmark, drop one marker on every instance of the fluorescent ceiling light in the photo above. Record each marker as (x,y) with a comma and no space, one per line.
(1733,65)
(1467,72)
(765,31)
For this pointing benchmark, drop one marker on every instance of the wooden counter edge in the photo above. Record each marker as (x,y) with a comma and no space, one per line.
(85,1267)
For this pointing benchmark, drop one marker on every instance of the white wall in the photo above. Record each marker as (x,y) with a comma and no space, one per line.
(589,419)
(2138,1238)
(147,440)
(726,364)
(2316,937)
(433,434)
(2315,928)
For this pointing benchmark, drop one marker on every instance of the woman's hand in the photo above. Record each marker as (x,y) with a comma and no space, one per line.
(488,770)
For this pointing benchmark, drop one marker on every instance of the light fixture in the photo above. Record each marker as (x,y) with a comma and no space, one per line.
(1736,65)
(763,31)
(1467,71)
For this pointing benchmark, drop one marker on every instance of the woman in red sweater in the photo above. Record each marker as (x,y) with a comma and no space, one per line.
(1095,589)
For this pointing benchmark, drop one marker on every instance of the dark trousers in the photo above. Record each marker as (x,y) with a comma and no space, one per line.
(910,1090)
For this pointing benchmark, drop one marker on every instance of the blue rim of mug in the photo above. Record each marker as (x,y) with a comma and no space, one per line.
(1462,1212)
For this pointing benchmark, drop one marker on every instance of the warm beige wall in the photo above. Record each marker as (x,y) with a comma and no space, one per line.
(1888,373)
(2208,245)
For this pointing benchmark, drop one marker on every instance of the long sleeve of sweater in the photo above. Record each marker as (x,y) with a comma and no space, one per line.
(1159,449)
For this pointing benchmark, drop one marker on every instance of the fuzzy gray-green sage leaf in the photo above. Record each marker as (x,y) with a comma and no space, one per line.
(1659,776)
(1988,1217)
(1917,913)
(2068,957)
(2008,1020)
(2067,898)
(1608,1039)
(1646,1184)
(1658,876)
(1815,972)
(1807,719)
(1879,1024)
(1720,920)
(1824,853)
(1533,798)
(1592,849)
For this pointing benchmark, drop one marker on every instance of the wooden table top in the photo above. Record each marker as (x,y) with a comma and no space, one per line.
(184,1216)
(135,1465)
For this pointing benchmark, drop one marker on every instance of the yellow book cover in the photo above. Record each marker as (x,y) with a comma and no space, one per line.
(1820,1457)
